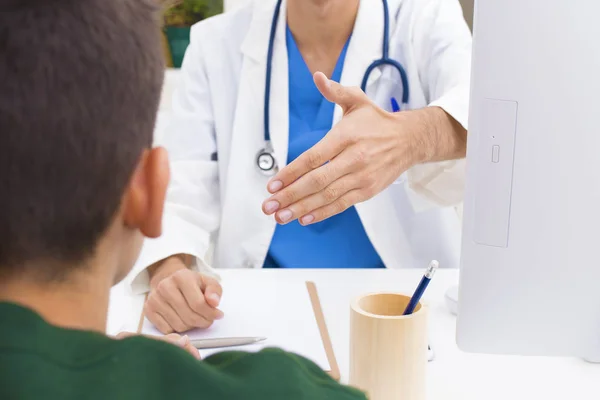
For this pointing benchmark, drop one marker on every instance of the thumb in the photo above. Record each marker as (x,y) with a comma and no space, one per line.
(346,97)
(183,341)
(212,290)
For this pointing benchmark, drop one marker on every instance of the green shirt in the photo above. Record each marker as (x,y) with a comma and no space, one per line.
(40,361)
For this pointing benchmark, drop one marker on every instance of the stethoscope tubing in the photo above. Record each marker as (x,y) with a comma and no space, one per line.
(384,60)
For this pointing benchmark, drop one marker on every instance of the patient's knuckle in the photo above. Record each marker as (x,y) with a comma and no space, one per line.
(163,288)
(165,329)
(179,277)
(197,321)
(198,305)
(204,324)
(189,320)
(149,307)
(178,325)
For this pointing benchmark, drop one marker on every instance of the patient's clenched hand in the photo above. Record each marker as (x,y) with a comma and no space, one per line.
(181,299)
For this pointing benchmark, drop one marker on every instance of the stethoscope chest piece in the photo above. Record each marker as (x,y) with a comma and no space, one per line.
(265,161)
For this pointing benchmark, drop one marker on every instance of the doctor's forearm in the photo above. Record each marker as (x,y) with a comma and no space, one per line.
(437,136)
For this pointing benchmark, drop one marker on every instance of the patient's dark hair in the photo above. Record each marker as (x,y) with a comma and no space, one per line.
(80,82)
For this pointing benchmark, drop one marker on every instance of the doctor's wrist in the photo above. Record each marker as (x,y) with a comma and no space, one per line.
(437,136)
(413,130)
(167,267)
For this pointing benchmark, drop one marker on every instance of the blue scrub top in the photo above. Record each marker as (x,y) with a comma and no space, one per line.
(340,241)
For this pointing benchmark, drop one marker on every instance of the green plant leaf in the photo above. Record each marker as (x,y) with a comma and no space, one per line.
(191,11)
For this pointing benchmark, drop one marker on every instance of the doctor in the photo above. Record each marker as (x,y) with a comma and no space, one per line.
(247,106)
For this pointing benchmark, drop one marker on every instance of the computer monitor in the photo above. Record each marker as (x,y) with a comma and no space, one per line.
(530,267)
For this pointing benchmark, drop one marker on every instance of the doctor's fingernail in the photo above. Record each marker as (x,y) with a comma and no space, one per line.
(307,219)
(285,215)
(271,206)
(275,186)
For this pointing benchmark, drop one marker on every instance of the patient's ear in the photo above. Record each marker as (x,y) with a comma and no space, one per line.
(145,196)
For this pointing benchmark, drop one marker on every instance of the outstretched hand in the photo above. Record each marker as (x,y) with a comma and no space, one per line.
(362,155)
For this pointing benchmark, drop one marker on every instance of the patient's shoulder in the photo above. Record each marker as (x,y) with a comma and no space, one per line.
(270,373)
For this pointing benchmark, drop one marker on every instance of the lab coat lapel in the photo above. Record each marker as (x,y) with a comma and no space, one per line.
(255,48)
(365,47)
(249,120)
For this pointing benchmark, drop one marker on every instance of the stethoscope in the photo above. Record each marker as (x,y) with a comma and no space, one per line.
(265,159)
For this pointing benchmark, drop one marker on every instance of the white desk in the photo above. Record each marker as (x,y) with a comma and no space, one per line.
(453,375)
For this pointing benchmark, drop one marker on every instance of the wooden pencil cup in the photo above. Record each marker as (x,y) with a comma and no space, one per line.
(388,351)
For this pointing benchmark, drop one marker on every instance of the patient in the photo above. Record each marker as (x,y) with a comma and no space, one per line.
(80,187)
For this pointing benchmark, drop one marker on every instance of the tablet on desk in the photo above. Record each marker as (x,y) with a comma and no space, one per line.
(289,315)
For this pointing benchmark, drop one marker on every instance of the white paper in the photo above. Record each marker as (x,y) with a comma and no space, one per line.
(281,312)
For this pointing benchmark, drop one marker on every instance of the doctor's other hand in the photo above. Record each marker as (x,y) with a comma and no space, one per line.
(360,156)
(181,299)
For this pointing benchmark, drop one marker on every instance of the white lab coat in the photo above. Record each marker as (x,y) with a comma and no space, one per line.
(213,209)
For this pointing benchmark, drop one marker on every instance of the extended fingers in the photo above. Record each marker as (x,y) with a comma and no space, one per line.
(338,206)
(323,182)
(325,150)
(302,209)
(311,183)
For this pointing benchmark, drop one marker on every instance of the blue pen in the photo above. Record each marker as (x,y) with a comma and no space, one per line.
(412,304)
(395,106)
